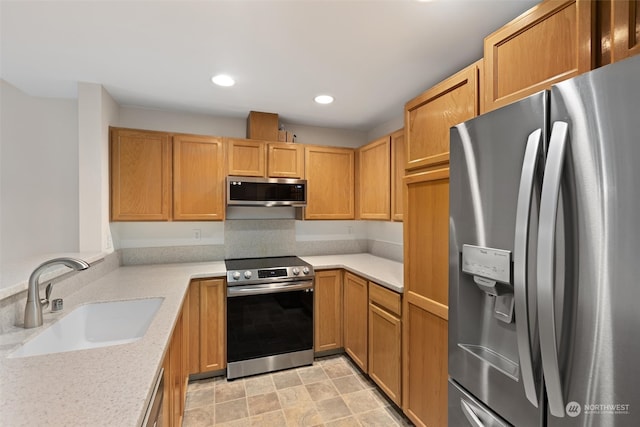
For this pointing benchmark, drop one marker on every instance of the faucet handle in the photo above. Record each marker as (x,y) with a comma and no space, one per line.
(47,293)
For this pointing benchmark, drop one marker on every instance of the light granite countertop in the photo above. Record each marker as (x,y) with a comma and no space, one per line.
(108,386)
(382,271)
(112,385)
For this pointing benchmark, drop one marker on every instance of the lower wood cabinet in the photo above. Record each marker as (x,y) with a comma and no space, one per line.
(212,324)
(385,331)
(327,310)
(175,375)
(356,304)
(208,329)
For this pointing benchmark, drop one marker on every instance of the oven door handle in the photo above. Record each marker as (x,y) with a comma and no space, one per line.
(269,288)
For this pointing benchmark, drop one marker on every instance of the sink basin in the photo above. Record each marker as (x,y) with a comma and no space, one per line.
(94,325)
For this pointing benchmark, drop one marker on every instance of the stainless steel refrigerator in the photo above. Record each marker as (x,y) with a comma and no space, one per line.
(544,241)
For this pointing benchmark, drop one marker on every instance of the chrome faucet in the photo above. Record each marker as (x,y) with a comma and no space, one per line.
(33,310)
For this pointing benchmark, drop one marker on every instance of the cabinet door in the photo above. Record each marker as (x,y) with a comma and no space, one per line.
(398,162)
(285,160)
(626,28)
(198,178)
(425,298)
(177,383)
(429,116)
(212,325)
(550,42)
(384,351)
(374,183)
(193,358)
(140,175)
(425,367)
(356,303)
(328,310)
(330,175)
(246,157)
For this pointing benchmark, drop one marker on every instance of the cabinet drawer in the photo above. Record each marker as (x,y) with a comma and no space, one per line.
(385,298)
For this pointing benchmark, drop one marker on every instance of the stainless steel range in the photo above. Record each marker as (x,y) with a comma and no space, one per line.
(269,314)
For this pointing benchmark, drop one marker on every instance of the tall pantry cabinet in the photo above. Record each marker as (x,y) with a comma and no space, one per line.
(428,118)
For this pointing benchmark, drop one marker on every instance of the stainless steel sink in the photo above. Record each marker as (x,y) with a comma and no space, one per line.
(94,325)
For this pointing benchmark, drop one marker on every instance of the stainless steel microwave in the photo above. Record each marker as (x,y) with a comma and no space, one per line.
(248,191)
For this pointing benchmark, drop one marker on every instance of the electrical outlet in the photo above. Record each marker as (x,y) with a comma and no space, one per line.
(197,234)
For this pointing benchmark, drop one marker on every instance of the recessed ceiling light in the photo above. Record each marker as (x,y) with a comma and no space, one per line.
(223,80)
(323,99)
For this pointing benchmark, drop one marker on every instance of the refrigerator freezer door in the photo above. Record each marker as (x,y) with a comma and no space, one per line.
(486,161)
(466,411)
(596,311)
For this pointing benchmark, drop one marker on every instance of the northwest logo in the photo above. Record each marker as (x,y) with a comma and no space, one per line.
(573,409)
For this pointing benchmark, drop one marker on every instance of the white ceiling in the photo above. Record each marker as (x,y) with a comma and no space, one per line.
(372,56)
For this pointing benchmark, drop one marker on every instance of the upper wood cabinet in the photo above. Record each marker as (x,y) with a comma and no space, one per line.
(398,161)
(262,126)
(429,116)
(552,41)
(625,16)
(327,310)
(246,157)
(330,187)
(140,175)
(285,160)
(260,158)
(374,180)
(198,178)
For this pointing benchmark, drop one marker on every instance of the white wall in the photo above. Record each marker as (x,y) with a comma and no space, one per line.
(39,182)
(327,136)
(386,128)
(171,121)
(96,112)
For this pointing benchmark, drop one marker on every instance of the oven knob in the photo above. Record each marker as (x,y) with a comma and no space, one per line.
(236,275)
(305,270)
(295,271)
(247,274)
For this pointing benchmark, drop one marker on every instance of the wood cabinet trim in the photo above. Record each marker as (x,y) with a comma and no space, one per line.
(427,304)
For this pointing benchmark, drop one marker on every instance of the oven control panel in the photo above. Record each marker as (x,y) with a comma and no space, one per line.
(269,274)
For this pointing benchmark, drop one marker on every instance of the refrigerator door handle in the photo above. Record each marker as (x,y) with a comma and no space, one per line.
(470,415)
(546,270)
(520,264)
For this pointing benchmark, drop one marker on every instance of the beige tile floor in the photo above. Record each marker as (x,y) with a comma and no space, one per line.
(331,393)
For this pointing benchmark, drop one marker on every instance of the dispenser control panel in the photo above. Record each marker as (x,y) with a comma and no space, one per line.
(493,264)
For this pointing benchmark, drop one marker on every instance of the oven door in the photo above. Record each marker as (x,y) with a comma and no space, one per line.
(269,325)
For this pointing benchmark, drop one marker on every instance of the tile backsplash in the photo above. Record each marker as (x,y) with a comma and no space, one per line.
(259,238)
